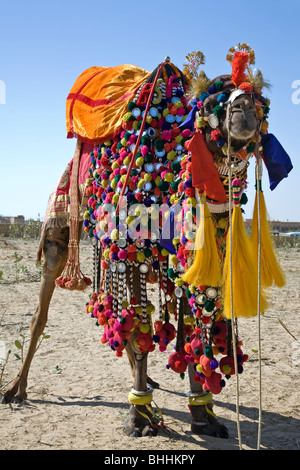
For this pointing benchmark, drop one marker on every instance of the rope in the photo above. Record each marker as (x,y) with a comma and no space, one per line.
(230,264)
(139,136)
(258,177)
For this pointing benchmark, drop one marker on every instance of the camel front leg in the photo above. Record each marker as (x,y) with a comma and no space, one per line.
(139,420)
(56,251)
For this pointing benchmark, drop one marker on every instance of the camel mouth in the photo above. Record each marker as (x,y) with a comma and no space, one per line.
(244,134)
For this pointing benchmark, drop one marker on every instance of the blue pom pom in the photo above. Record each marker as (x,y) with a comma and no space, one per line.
(212,89)
(222,98)
(203,96)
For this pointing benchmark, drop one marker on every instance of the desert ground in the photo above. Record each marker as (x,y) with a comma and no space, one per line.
(78,388)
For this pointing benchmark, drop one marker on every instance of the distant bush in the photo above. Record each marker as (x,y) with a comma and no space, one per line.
(32,229)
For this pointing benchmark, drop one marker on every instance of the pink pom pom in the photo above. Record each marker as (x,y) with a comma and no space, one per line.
(122,254)
(144,150)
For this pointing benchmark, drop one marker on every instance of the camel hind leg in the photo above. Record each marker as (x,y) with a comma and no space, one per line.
(56,252)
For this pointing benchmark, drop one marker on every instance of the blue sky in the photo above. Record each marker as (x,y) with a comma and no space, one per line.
(45,46)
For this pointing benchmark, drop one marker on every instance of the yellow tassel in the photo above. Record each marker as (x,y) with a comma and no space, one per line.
(205,269)
(271,271)
(244,273)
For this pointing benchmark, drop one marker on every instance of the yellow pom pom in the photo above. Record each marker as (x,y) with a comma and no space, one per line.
(164,252)
(126,161)
(115,165)
(171,155)
(166,111)
(114,234)
(150,309)
(127,116)
(140,256)
(115,198)
(139,161)
(144,328)
(174,259)
(201,122)
(226,369)
(168,177)
(179,282)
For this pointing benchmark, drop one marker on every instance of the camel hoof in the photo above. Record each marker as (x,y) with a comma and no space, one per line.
(136,424)
(210,429)
(10,397)
(205,422)
(135,433)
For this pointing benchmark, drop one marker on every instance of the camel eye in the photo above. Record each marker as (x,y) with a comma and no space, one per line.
(208,108)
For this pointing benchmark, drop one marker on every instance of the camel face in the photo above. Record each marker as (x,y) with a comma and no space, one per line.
(237,119)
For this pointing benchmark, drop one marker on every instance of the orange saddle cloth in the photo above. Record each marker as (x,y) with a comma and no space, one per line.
(98,101)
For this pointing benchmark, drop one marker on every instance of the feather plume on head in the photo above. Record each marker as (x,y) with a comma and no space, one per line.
(239,64)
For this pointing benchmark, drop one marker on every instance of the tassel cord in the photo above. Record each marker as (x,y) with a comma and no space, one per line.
(230,267)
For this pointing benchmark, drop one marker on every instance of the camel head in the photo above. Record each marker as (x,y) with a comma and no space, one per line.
(230,107)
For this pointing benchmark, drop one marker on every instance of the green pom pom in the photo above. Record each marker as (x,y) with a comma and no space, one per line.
(171,273)
(145,140)
(159,144)
(209,305)
(175,185)
(148,252)
(181,375)
(188,293)
(131,105)
(163,185)
(208,351)
(219,85)
(149,158)
(175,166)
(218,110)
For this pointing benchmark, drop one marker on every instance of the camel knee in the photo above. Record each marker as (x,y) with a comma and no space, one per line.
(56,248)
(38,322)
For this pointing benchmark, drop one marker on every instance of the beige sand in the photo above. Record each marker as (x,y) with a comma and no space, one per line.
(83,407)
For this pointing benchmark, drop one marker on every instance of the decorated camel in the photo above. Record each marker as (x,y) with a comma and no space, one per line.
(158,182)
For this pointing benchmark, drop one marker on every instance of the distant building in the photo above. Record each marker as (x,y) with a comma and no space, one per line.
(19,219)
